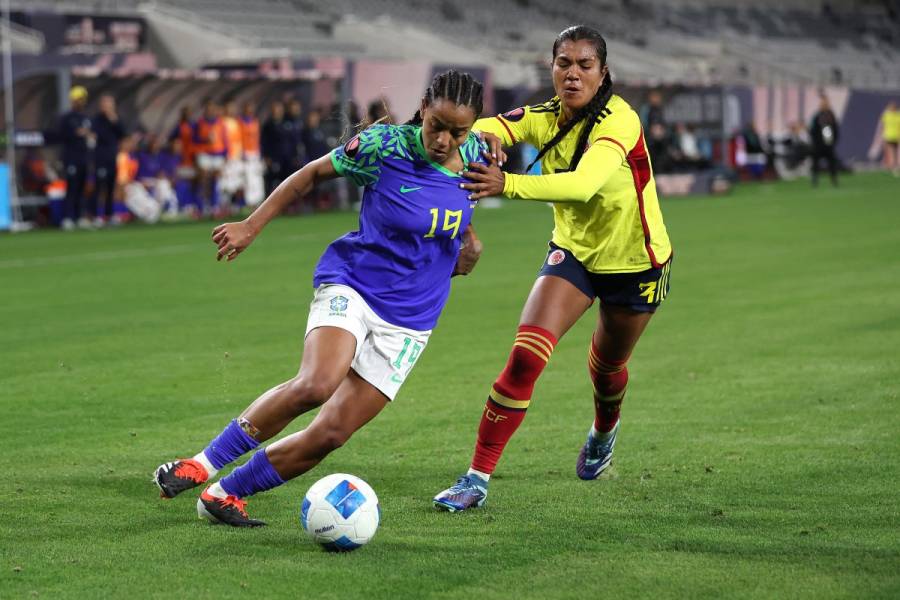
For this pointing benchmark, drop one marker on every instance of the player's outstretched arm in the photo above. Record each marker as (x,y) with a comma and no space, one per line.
(233,238)
(596,167)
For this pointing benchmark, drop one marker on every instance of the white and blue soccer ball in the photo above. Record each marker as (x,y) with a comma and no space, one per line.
(340,512)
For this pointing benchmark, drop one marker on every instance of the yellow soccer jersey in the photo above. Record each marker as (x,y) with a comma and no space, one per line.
(890,120)
(606,212)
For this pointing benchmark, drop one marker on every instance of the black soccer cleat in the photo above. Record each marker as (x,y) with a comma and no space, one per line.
(230,510)
(174,477)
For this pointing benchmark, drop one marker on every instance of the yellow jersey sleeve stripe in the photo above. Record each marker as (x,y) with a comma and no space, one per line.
(614,141)
(533,349)
(496,126)
(512,137)
(507,401)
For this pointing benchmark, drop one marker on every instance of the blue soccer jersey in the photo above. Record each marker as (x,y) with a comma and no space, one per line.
(412,219)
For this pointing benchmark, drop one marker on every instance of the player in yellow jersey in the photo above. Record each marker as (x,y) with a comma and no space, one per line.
(890,132)
(609,242)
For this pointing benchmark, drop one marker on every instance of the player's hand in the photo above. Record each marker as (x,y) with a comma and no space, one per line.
(232,239)
(469,253)
(495,147)
(484,180)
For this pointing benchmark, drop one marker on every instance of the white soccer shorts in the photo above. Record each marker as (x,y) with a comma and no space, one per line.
(139,201)
(231,178)
(385,353)
(254,188)
(210,162)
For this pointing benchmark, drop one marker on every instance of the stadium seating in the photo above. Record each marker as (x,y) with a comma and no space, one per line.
(696,41)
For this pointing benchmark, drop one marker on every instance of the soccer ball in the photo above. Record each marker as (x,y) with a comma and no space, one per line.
(340,512)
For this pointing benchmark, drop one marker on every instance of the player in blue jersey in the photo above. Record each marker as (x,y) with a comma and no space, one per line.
(379,293)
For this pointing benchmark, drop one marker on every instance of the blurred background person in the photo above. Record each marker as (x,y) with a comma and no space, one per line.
(659,145)
(34,172)
(37,177)
(334,126)
(77,138)
(294,118)
(254,187)
(129,190)
(751,154)
(210,146)
(354,116)
(157,167)
(792,153)
(231,182)
(277,140)
(823,131)
(316,144)
(690,155)
(652,111)
(314,140)
(890,135)
(109,132)
(379,111)
(337,129)
(181,141)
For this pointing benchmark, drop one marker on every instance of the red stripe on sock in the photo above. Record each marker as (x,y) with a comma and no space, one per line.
(610,378)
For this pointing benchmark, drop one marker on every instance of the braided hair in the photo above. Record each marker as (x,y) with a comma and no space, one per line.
(460,88)
(590,111)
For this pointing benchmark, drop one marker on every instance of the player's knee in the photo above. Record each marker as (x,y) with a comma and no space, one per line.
(609,377)
(530,354)
(307,392)
(523,368)
(331,437)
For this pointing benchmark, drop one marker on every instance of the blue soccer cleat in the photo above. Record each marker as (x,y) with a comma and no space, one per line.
(595,456)
(470,491)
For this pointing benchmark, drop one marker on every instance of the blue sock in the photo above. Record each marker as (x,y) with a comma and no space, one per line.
(258,475)
(229,445)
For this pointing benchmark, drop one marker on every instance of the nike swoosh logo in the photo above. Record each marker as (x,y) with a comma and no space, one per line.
(405,190)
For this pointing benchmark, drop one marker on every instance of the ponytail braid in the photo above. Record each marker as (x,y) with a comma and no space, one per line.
(595,109)
(416,118)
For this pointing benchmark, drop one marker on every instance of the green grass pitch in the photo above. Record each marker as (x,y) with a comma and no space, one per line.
(759,455)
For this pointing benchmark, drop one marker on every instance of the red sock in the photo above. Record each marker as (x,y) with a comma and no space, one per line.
(610,377)
(511,394)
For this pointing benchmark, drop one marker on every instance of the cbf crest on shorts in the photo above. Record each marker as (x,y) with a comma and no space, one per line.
(339,304)
(556,257)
